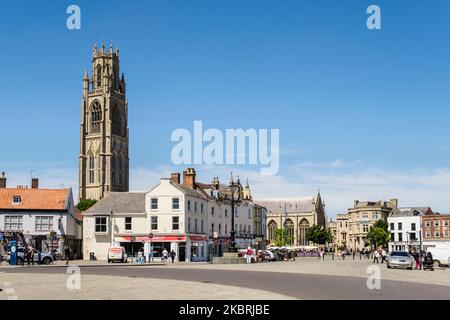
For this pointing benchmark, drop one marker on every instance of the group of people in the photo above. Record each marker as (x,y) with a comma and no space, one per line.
(379,254)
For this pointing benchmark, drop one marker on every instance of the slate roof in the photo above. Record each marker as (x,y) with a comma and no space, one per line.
(300,205)
(408,212)
(119,202)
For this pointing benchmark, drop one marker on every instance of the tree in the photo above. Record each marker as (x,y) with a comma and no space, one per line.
(282,237)
(378,234)
(85,204)
(318,234)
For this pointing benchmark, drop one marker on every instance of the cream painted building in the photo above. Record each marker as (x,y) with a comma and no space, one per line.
(294,215)
(363,215)
(343,230)
(181,216)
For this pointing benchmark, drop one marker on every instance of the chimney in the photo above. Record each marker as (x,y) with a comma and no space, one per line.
(394,202)
(3,181)
(34,183)
(189,178)
(355,203)
(175,177)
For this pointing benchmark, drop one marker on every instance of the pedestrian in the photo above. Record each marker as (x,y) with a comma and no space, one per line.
(416,257)
(353,255)
(30,256)
(376,255)
(249,255)
(165,255)
(383,256)
(172,255)
(67,253)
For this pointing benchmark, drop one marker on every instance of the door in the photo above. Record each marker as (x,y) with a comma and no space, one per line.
(182,252)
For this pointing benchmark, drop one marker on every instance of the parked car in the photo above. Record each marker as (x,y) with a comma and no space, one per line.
(441,256)
(400,259)
(117,253)
(39,257)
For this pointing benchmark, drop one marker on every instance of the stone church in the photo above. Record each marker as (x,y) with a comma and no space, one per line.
(104,161)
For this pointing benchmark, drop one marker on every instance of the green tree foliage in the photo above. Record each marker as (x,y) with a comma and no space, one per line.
(282,237)
(319,235)
(85,204)
(378,234)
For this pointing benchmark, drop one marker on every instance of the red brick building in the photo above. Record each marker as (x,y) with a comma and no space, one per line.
(436,227)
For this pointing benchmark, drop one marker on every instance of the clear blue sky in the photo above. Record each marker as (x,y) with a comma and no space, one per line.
(352,105)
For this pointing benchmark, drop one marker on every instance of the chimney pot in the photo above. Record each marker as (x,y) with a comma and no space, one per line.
(3,181)
(189,178)
(34,183)
(175,177)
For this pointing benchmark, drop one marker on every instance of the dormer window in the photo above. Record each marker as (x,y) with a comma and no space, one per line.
(17,199)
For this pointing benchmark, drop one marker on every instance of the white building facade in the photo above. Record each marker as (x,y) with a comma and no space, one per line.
(185,217)
(404,225)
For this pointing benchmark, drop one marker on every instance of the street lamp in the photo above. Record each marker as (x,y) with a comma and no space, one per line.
(233,196)
(150,236)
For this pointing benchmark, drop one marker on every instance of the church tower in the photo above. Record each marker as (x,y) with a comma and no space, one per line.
(104,162)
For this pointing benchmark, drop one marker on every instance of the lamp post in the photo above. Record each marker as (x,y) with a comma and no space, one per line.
(150,258)
(233,196)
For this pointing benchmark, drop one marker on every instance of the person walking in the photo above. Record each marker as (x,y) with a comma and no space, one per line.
(249,255)
(30,256)
(354,253)
(165,255)
(172,255)
(376,256)
(383,256)
(67,252)
(416,257)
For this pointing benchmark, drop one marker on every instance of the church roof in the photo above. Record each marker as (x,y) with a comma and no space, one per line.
(299,205)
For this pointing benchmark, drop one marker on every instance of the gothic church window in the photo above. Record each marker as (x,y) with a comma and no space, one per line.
(99,75)
(96,117)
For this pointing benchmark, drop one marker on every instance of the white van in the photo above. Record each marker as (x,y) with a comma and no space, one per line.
(117,253)
(441,255)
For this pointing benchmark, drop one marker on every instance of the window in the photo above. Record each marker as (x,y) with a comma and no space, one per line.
(212,227)
(392,236)
(189,205)
(249,230)
(44,223)
(154,203)
(220,228)
(446,223)
(365,228)
(189,224)
(128,224)
(202,226)
(212,211)
(201,208)
(175,203)
(400,226)
(413,227)
(195,225)
(436,223)
(428,234)
(195,207)
(101,224)
(412,236)
(175,223)
(96,117)
(226,229)
(13,223)
(249,213)
(99,75)
(91,169)
(245,229)
(437,234)
(400,236)
(427,224)
(226,212)
(17,199)
(446,233)
(154,223)
(392,226)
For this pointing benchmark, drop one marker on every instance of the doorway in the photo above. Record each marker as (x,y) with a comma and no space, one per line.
(182,252)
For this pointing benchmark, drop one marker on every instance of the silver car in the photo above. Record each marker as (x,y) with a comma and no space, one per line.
(400,259)
(39,257)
